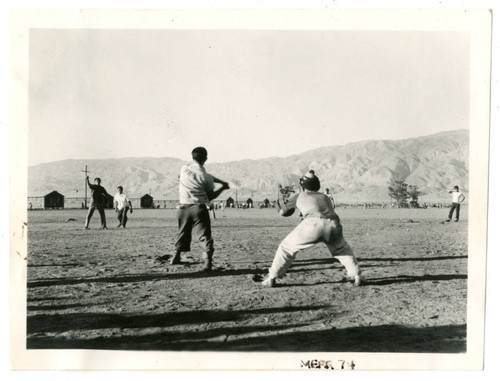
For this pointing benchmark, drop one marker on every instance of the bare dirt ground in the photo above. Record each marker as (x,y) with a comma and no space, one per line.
(95,289)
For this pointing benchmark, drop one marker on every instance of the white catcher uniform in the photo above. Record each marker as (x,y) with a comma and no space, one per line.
(320,224)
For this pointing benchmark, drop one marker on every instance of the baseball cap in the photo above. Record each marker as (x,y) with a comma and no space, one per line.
(310,181)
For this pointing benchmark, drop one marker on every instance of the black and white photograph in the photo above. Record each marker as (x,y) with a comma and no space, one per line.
(306,188)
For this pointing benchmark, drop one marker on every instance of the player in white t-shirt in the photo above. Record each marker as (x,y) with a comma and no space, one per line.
(122,206)
(330,196)
(457,198)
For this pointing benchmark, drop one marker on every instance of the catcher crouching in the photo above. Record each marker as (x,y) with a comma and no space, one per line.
(320,223)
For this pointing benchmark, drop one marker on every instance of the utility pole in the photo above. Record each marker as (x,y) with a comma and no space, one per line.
(86,174)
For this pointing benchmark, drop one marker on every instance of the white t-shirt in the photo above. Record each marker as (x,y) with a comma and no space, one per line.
(122,200)
(456,196)
(194,184)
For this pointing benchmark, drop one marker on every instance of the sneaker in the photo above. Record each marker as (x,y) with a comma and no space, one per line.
(104,228)
(357,281)
(119,225)
(448,220)
(269,282)
(456,220)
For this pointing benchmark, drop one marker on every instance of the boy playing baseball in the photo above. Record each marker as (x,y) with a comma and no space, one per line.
(122,206)
(196,190)
(319,224)
(457,198)
(97,200)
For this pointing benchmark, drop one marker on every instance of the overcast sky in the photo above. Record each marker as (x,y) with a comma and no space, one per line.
(97,94)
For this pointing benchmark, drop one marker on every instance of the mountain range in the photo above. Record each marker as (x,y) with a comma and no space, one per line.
(355,172)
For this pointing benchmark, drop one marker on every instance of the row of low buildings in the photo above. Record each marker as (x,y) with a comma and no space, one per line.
(56,200)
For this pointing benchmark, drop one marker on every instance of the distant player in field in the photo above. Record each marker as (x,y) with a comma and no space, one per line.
(457,198)
(97,200)
(319,224)
(196,189)
(122,205)
(330,196)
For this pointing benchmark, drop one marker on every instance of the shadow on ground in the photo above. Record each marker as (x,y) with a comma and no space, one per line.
(418,259)
(298,266)
(234,337)
(90,321)
(412,279)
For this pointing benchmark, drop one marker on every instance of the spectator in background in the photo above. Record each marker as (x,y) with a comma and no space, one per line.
(330,196)
(97,200)
(457,198)
(122,206)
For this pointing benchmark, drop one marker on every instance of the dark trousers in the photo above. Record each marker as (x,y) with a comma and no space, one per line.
(100,208)
(454,207)
(122,216)
(194,220)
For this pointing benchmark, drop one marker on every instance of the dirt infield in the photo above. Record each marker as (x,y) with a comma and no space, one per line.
(95,289)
